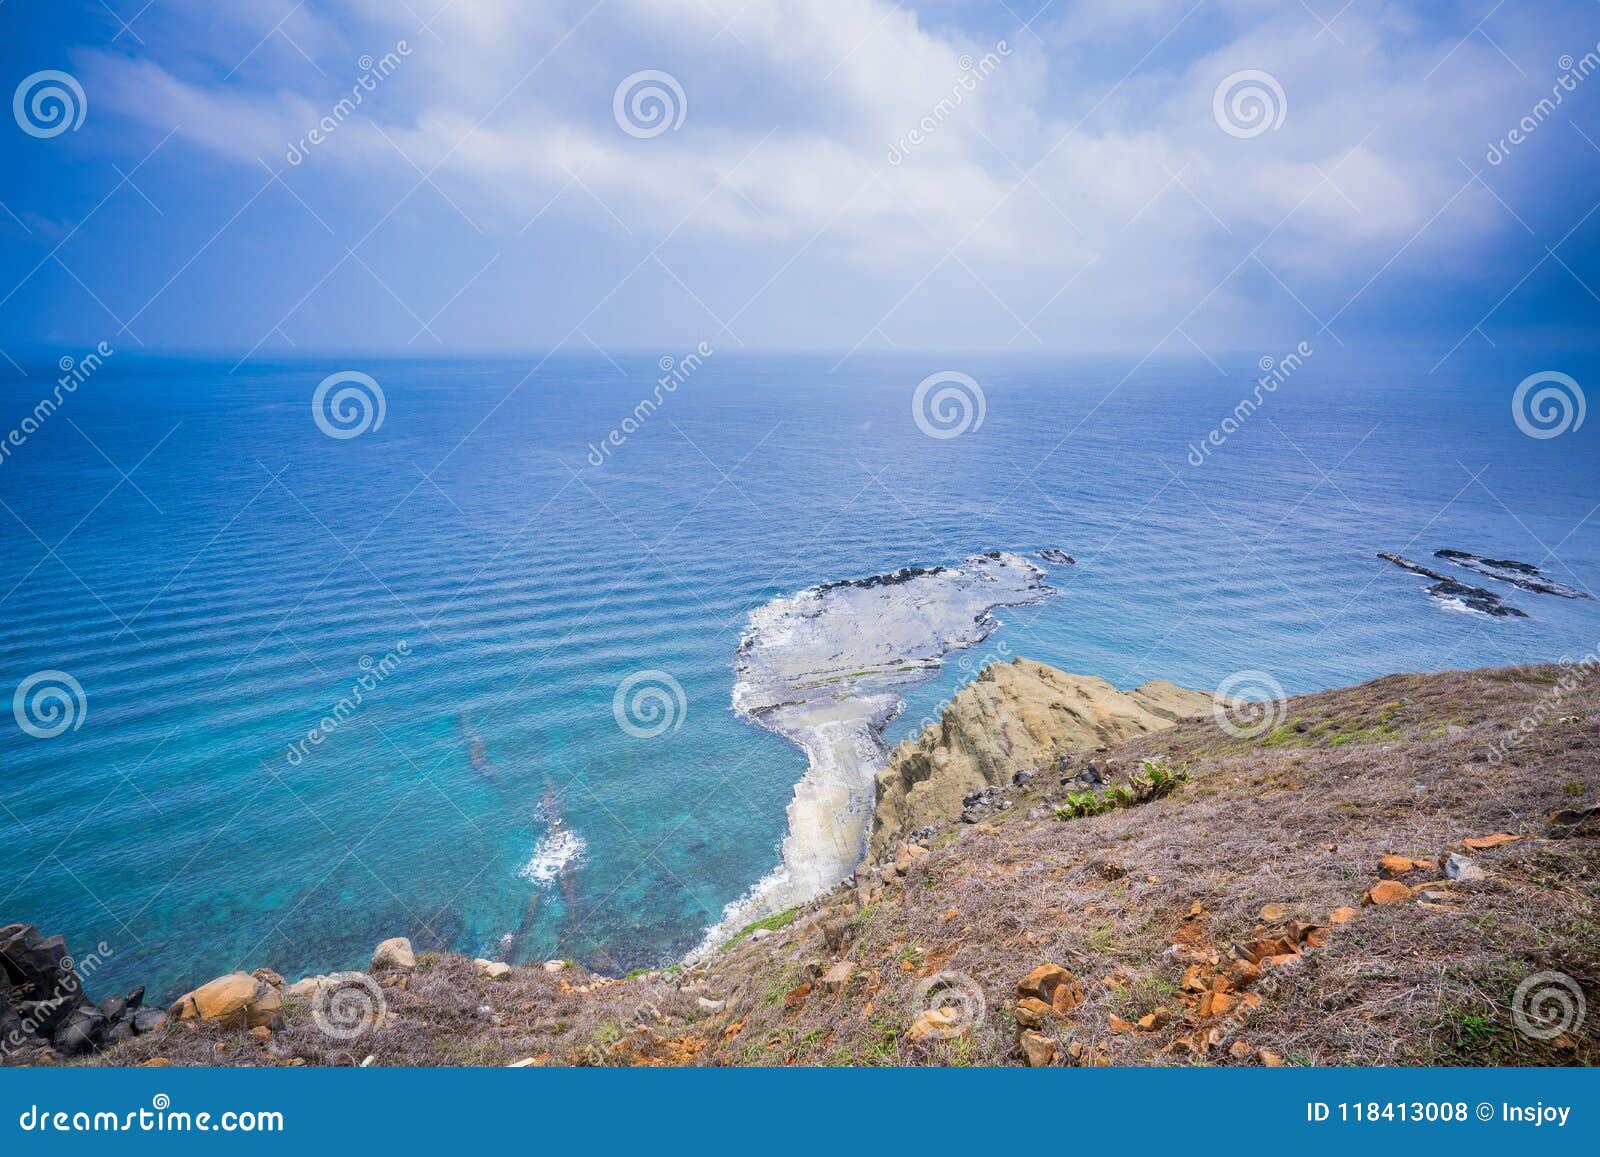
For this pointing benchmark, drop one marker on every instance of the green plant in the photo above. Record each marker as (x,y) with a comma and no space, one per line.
(770,923)
(1153,780)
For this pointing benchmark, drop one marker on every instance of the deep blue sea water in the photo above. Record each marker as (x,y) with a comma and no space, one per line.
(214,571)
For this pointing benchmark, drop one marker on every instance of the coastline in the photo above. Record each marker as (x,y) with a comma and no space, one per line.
(823,668)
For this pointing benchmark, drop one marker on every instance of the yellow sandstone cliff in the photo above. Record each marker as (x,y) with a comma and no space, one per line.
(1017,715)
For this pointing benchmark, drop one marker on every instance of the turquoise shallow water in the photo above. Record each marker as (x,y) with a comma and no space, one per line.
(219,602)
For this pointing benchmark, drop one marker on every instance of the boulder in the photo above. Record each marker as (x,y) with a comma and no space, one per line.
(1043,981)
(1031,1012)
(1038,1050)
(148,1020)
(395,953)
(1386,892)
(237,1000)
(837,978)
(491,969)
(83,1032)
(45,990)
(934,1024)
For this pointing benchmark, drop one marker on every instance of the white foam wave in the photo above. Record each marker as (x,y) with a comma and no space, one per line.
(558,852)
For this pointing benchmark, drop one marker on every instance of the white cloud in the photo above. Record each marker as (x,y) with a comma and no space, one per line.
(794,107)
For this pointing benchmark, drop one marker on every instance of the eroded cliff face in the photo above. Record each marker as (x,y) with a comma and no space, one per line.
(1016,715)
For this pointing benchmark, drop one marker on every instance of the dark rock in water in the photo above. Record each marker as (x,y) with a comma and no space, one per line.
(113,1007)
(904,575)
(1507,570)
(1059,557)
(1447,589)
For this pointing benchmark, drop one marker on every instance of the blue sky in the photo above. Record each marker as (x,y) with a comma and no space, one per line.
(1080,181)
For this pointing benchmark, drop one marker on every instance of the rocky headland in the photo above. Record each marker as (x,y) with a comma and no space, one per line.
(1016,715)
(825,668)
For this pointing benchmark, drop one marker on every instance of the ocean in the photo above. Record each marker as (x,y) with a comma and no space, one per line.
(341,688)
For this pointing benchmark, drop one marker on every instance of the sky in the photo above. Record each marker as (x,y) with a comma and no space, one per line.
(450,177)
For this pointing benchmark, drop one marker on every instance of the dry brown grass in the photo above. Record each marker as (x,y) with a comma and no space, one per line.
(1299,816)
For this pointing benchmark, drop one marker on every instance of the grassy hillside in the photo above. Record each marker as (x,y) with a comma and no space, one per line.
(1221,923)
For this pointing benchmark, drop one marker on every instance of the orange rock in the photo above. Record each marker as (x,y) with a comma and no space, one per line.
(1154,1021)
(1484,843)
(1392,865)
(1067,996)
(1272,913)
(1386,892)
(1221,1002)
(1238,1050)
(1194,979)
(935,1023)
(1315,938)
(1342,915)
(1249,1001)
(1037,1050)
(1245,973)
(733,1030)
(1278,946)
(1271,1059)
(1116,1024)
(948,916)
(1043,981)
(1031,1012)
(1221,984)
(797,996)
